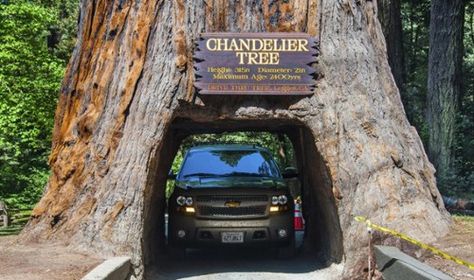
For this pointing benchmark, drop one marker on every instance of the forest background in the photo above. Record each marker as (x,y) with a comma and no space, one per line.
(430,48)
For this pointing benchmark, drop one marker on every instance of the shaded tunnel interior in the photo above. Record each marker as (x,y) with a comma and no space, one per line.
(323,236)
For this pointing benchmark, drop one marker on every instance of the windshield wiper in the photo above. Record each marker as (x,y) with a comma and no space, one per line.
(243,174)
(249,174)
(200,175)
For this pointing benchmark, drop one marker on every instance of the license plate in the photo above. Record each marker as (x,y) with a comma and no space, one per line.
(232,237)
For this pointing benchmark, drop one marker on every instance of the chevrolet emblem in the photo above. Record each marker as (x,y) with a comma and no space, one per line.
(232,204)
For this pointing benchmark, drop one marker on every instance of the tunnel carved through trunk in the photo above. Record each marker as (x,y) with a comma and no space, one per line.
(131,75)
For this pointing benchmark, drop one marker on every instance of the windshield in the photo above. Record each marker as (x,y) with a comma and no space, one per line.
(229,163)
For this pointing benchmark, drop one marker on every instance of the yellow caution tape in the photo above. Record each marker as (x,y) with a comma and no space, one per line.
(414,241)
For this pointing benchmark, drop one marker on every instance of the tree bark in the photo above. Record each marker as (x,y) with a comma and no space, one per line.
(129,85)
(390,19)
(444,80)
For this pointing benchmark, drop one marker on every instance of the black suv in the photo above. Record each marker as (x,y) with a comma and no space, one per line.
(230,195)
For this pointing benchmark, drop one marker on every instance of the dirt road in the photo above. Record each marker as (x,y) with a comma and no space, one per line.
(40,261)
(261,264)
(460,243)
(240,264)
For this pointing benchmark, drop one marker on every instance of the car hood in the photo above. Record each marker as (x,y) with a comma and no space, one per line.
(231,182)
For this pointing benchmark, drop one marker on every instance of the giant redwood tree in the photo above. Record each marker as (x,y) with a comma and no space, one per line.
(128,99)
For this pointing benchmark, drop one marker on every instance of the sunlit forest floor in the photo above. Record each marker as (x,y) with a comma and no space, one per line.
(42,261)
(459,243)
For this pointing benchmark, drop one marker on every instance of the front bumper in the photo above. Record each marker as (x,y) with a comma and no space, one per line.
(208,232)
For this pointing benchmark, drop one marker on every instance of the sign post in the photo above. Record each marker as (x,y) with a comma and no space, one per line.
(255,63)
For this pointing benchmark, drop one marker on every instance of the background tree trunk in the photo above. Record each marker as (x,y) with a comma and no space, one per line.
(444,80)
(390,19)
(131,77)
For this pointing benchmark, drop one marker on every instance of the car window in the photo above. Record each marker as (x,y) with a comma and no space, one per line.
(229,163)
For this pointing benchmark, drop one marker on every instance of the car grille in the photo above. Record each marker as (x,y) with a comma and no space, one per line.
(232,212)
(224,198)
(214,206)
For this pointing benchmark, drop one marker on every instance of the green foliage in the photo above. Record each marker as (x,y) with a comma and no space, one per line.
(18,218)
(456,184)
(465,218)
(415,22)
(11,230)
(62,37)
(31,70)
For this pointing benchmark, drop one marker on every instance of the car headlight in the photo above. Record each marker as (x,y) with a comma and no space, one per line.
(189,201)
(181,200)
(275,200)
(282,199)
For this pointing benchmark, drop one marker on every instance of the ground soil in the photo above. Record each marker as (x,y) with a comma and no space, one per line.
(459,243)
(240,263)
(56,262)
(39,261)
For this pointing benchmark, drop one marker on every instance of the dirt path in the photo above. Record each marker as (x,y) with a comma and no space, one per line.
(459,243)
(55,262)
(39,262)
(230,264)
(261,264)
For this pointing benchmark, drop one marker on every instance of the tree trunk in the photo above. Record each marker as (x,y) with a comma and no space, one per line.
(390,19)
(444,80)
(128,100)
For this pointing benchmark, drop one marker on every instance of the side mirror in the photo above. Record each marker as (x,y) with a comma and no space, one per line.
(171,175)
(290,172)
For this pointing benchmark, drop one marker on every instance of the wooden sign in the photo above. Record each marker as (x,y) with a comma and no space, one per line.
(255,63)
